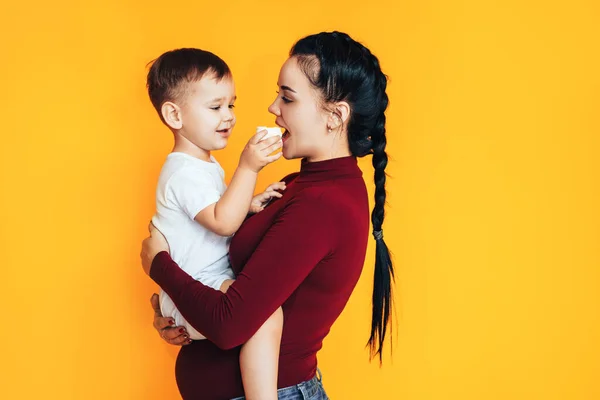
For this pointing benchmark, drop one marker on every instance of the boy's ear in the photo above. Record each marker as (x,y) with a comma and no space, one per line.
(171,113)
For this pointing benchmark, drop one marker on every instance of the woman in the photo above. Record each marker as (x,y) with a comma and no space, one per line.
(305,251)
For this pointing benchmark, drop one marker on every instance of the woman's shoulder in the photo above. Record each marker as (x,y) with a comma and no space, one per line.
(289,178)
(334,211)
(331,199)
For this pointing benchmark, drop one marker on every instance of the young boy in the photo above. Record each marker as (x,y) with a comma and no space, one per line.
(194,94)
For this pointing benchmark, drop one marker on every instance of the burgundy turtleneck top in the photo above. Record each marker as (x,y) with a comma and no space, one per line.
(303,252)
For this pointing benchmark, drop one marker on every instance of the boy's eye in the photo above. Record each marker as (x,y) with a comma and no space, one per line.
(232,106)
(215,108)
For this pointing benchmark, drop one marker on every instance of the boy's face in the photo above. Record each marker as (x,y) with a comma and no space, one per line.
(207,112)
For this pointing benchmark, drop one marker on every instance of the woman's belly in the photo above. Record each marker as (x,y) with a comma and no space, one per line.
(203,371)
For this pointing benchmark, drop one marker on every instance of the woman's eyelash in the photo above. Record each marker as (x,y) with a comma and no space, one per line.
(285,99)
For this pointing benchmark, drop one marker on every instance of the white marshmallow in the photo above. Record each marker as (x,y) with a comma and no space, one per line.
(270,131)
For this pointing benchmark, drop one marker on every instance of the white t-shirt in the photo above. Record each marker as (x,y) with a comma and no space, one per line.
(185,187)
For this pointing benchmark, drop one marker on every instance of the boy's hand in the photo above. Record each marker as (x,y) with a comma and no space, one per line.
(260,201)
(256,153)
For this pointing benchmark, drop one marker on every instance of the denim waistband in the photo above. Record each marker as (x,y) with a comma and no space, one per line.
(303,390)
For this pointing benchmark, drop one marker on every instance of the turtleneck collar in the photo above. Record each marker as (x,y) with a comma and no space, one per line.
(335,168)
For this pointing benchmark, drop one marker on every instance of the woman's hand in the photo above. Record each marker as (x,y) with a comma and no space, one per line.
(151,246)
(175,335)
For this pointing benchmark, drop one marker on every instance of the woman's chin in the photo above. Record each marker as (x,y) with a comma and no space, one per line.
(289,155)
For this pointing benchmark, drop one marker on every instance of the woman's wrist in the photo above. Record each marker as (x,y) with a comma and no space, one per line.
(160,260)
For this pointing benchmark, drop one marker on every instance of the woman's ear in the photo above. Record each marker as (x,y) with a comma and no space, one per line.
(339,116)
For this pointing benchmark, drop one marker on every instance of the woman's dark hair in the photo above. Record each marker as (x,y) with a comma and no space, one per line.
(345,70)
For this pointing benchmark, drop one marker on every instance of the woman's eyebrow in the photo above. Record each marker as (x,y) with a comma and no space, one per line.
(288,88)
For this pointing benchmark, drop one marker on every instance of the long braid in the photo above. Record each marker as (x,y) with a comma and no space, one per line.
(384,271)
(345,70)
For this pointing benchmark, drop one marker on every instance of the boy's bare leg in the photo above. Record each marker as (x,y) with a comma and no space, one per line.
(225,285)
(259,360)
(259,357)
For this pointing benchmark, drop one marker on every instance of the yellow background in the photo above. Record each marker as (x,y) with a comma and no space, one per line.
(493,210)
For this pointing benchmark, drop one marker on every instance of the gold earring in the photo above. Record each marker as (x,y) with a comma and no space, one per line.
(328,127)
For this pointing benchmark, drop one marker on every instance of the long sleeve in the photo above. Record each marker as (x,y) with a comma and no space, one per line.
(302,235)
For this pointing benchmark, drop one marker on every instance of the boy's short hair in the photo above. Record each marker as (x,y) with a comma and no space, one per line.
(171,73)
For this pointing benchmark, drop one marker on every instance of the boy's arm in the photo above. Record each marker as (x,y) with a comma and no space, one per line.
(226,215)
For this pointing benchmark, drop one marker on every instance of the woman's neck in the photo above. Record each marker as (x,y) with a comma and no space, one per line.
(337,151)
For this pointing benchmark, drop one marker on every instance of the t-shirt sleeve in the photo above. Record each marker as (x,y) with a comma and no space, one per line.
(192,191)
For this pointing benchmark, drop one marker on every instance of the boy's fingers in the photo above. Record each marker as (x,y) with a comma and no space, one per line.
(269,142)
(276,157)
(273,193)
(273,147)
(276,186)
(258,136)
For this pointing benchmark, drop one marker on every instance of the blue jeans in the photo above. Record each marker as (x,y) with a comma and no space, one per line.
(309,390)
